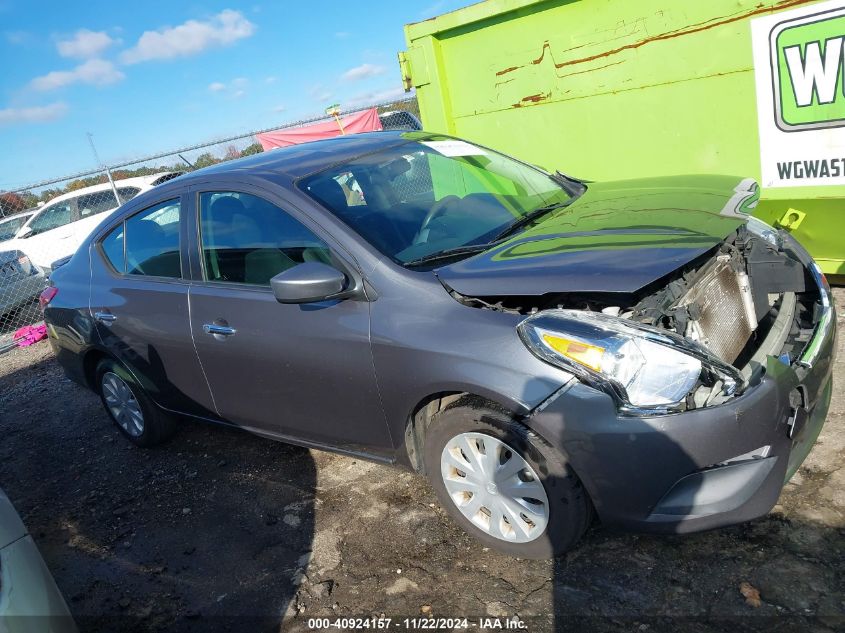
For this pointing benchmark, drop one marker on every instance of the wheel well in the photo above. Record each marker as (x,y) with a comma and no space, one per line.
(424,412)
(89,366)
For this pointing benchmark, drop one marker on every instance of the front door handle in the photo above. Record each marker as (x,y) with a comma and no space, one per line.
(218,330)
(105,317)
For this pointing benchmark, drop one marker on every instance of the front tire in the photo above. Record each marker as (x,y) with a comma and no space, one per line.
(503,484)
(129,407)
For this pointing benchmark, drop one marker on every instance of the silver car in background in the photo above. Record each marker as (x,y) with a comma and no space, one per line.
(20,280)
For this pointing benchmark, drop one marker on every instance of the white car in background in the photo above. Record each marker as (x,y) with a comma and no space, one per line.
(57,229)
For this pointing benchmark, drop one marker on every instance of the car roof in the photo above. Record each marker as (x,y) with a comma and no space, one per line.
(137,181)
(300,160)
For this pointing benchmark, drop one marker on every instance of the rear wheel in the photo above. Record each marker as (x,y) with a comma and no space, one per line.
(130,408)
(503,484)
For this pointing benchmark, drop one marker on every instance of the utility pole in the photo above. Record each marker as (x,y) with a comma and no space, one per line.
(107,170)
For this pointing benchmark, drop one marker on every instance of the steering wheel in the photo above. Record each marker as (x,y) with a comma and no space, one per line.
(436,210)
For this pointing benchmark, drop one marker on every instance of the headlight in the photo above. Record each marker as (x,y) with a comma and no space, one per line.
(645,368)
(766,231)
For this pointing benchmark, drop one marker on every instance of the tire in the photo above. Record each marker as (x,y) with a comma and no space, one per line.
(155,426)
(568,510)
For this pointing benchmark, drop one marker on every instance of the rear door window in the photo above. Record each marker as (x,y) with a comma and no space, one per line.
(102,201)
(127,193)
(97,202)
(112,246)
(147,243)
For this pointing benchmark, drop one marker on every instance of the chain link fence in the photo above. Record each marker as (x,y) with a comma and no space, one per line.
(46,221)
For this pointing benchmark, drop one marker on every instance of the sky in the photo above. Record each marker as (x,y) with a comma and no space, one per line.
(146,77)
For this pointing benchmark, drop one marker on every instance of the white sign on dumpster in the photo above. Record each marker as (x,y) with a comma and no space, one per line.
(799,65)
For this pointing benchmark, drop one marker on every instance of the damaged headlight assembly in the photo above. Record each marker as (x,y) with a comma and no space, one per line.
(647,370)
(765,231)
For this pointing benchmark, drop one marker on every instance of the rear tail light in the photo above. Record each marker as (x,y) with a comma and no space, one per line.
(47,295)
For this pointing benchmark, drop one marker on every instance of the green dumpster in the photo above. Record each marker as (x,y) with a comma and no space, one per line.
(614,89)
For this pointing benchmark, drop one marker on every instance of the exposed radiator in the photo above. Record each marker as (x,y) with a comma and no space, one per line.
(721,309)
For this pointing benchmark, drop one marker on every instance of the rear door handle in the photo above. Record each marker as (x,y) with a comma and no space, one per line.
(105,317)
(218,330)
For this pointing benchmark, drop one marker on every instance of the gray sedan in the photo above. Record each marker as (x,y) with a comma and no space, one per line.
(543,349)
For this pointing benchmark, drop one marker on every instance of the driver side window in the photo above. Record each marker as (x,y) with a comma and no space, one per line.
(246,239)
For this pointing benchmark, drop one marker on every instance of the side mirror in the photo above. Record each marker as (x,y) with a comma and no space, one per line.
(24,232)
(308,282)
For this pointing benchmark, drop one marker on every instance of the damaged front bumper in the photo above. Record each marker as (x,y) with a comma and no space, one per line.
(703,468)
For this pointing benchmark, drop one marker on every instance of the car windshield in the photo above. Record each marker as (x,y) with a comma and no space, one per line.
(435,198)
(9,227)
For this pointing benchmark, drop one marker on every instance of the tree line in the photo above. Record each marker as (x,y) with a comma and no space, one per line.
(12,202)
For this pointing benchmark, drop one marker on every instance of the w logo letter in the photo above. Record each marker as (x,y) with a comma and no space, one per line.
(808,67)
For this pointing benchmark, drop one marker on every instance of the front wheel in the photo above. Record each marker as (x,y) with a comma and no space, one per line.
(503,484)
(130,408)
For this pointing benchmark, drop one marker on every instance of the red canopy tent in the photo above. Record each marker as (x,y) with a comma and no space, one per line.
(366,121)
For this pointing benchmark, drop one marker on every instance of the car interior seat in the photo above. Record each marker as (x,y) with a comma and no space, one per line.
(261,231)
(331,194)
(147,252)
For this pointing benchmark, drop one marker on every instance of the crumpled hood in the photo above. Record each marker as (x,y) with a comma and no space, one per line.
(617,238)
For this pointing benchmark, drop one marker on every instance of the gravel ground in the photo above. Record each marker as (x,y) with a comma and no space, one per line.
(219,530)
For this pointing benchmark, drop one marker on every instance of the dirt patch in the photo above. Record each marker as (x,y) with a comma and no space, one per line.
(219,530)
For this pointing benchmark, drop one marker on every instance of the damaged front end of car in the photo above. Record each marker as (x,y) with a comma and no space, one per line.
(720,371)
(696,338)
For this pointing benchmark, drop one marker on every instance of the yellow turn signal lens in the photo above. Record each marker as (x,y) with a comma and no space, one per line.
(583,353)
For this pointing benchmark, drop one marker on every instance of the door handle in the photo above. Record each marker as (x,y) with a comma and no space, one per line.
(105,317)
(218,330)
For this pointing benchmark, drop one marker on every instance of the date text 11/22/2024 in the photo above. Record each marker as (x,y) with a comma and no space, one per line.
(417,623)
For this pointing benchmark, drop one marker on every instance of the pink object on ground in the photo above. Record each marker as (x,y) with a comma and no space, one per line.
(30,334)
(366,121)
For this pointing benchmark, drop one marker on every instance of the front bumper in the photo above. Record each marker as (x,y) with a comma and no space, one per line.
(700,469)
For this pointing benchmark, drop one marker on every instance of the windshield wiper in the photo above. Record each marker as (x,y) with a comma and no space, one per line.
(528,218)
(512,228)
(449,253)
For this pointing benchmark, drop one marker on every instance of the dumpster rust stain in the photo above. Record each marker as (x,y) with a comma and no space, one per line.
(695,28)
(507,70)
(537,98)
(589,70)
(654,85)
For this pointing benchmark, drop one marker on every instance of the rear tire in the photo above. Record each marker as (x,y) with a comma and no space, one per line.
(524,519)
(130,408)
